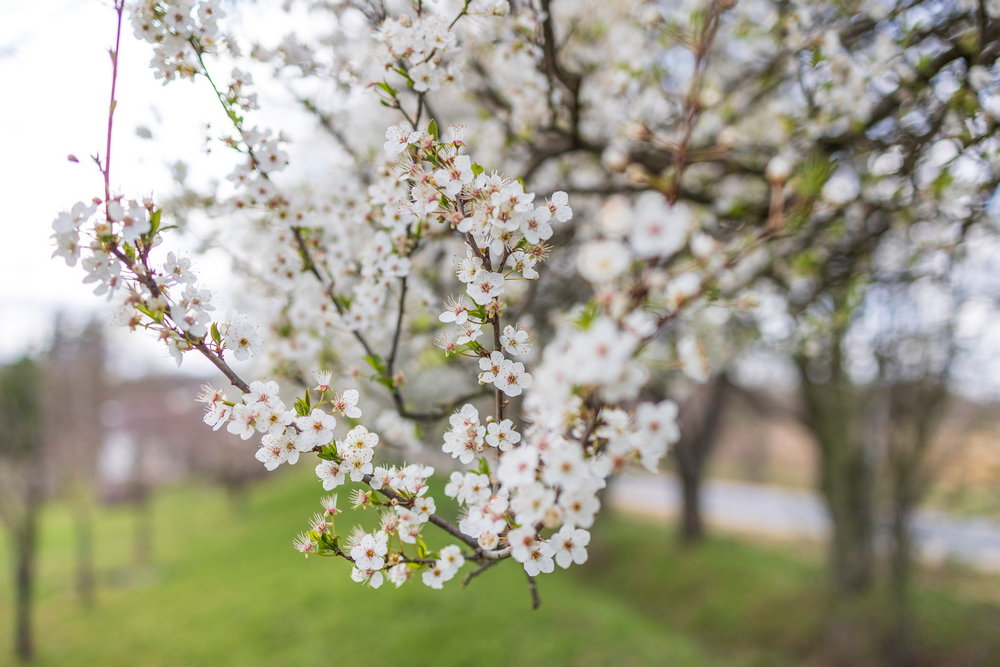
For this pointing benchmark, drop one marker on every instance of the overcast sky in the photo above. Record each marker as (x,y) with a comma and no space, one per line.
(55,77)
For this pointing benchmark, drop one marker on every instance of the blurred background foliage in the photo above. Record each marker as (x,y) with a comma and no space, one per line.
(137,536)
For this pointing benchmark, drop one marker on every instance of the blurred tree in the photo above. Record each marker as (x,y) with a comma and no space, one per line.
(914,409)
(75,372)
(701,420)
(835,415)
(905,180)
(877,345)
(22,490)
(916,351)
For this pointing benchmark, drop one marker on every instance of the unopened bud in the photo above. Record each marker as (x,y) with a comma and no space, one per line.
(709,97)
(728,137)
(636,131)
(615,158)
(651,16)
(778,169)
(636,174)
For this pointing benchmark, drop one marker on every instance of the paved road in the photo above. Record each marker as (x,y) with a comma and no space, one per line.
(795,513)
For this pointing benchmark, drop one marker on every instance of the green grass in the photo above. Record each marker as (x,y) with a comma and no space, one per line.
(228,589)
(225,588)
(769,604)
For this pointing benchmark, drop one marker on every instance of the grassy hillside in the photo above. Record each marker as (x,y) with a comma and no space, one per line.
(225,588)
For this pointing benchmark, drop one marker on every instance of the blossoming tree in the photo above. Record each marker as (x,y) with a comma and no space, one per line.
(443,269)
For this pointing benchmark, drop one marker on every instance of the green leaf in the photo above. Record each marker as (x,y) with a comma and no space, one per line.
(813,174)
(587,315)
(301,408)
(484,467)
(154,225)
(216,336)
(432,129)
(155,315)
(477,169)
(942,182)
(387,88)
(377,363)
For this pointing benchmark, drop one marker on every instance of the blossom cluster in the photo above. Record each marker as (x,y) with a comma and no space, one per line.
(529,492)
(555,320)
(114,241)
(284,434)
(178,30)
(418,49)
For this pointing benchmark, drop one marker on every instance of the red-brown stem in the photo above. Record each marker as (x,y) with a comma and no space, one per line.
(106,168)
(692,105)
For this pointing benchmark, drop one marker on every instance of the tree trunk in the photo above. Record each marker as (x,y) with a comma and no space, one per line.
(847,491)
(836,415)
(698,437)
(22,450)
(692,524)
(142,508)
(914,411)
(900,573)
(142,528)
(24,580)
(84,534)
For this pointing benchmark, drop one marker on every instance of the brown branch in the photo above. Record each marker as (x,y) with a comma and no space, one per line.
(445,525)
(391,361)
(219,363)
(692,104)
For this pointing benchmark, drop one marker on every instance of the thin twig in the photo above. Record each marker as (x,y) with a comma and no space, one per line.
(536,601)
(692,104)
(479,570)
(391,361)
(106,168)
